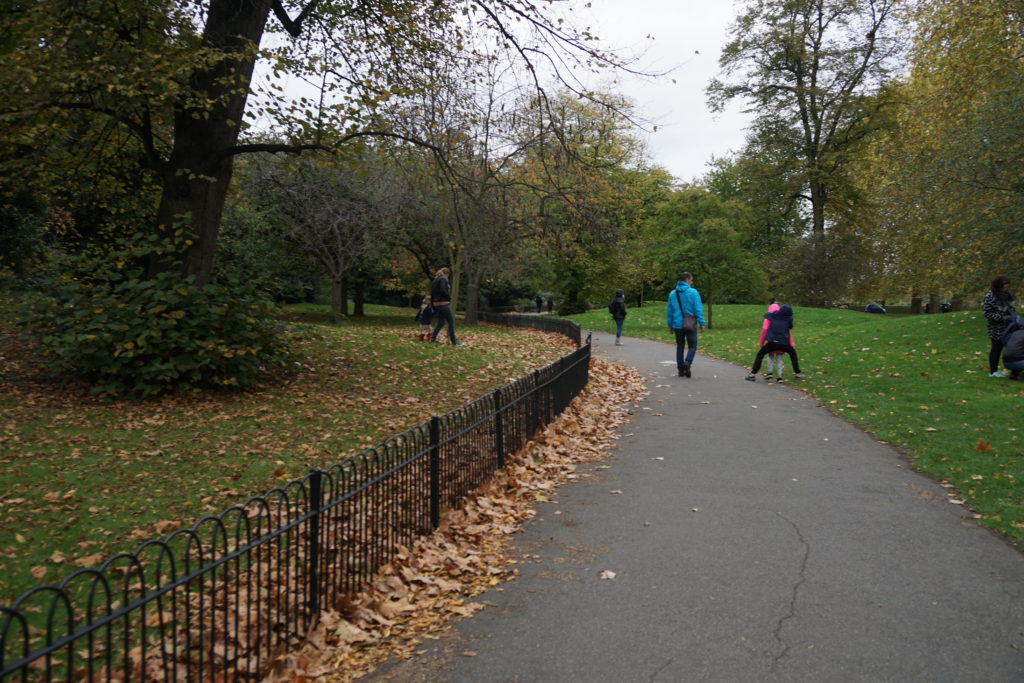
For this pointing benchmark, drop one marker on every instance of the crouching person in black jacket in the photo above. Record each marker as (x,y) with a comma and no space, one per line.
(1013,347)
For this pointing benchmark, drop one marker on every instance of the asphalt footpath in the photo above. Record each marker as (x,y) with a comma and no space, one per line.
(753,536)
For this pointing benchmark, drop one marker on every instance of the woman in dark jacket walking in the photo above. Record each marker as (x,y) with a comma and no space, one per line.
(441,299)
(998,308)
(618,310)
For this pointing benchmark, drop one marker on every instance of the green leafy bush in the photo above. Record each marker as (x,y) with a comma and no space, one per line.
(127,334)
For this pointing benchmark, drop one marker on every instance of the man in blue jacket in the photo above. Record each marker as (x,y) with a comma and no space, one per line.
(684,301)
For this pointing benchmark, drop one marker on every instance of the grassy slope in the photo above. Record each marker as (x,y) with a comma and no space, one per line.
(85,478)
(919,382)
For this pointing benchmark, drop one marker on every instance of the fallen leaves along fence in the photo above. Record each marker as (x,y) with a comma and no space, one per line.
(220,600)
(569,328)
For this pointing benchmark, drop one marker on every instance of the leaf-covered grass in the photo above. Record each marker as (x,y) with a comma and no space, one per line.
(918,382)
(81,478)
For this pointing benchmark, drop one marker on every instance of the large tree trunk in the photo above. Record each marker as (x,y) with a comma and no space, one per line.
(472,297)
(358,308)
(818,197)
(455,281)
(198,172)
(339,300)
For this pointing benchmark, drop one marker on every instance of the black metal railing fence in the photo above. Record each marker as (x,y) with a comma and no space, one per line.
(220,600)
(570,328)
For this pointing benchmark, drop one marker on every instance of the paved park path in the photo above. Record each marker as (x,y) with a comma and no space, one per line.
(756,538)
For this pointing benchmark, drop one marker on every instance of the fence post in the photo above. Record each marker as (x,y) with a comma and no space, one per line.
(316,503)
(562,388)
(499,428)
(435,472)
(536,403)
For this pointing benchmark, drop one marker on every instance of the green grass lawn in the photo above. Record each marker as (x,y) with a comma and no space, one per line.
(81,478)
(918,382)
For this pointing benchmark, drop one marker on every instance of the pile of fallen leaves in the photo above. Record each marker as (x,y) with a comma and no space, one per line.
(436,579)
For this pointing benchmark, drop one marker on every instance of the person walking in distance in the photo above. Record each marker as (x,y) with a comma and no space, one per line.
(618,310)
(684,314)
(441,300)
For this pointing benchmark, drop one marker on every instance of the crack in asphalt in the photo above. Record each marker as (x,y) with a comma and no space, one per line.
(777,632)
(657,672)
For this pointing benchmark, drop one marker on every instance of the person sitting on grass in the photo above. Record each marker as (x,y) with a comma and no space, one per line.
(1013,347)
(777,338)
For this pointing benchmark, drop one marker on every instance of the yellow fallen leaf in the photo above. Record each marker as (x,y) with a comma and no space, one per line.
(90,561)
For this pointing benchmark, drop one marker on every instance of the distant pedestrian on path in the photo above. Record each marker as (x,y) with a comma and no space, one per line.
(998,308)
(777,338)
(683,315)
(551,305)
(618,310)
(441,300)
(775,363)
(540,303)
(1013,347)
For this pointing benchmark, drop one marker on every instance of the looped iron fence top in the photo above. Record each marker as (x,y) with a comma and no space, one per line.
(569,328)
(220,599)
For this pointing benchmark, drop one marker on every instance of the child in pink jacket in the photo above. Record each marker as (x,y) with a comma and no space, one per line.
(774,357)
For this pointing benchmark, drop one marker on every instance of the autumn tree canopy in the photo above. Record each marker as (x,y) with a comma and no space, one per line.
(170,82)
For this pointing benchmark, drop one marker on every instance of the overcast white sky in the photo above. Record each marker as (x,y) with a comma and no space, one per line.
(688,37)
